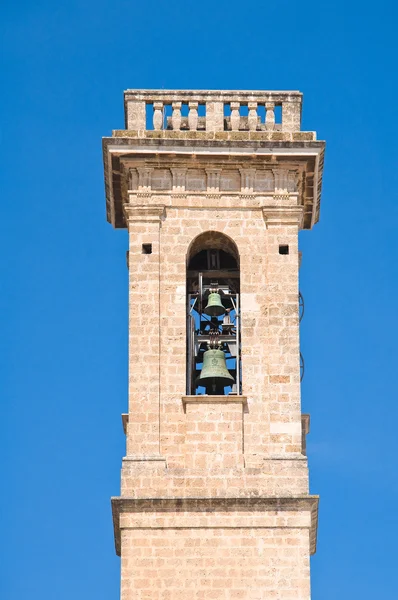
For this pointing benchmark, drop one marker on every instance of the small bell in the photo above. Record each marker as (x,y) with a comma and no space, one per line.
(214,372)
(214,306)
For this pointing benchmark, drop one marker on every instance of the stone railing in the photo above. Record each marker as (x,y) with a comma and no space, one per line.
(211,111)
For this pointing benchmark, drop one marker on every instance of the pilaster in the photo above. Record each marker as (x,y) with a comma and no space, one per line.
(143,437)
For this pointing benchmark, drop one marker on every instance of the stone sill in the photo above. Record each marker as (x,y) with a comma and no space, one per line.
(166,134)
(208,399)
(144,458)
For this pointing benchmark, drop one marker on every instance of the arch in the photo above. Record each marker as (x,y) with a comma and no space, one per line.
(213,240)
(213,315)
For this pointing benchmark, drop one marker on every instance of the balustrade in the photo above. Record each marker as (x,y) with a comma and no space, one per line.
(212,110)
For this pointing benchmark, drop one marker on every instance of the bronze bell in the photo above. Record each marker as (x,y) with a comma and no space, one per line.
(214,306)
(214,371)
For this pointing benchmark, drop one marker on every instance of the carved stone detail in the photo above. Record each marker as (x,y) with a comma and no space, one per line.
(292,181)
(158,115)
(281,197)
(132,179)
(252,118)
(179,178)
(247,180)
(281,180)
(213,180)
(176,116)
(235,116)
(193,116)
(144,213)
(144,178)
(275,215)
(270,116)
(265,181)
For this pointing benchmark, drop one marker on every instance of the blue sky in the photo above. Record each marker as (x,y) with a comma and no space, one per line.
(64,278)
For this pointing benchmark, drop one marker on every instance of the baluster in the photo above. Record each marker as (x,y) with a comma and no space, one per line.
(270,116)
(176,116)
(252,118)
(158,115)
(193,116)
(235,116)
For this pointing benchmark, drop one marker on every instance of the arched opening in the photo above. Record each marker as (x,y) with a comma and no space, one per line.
(213,316)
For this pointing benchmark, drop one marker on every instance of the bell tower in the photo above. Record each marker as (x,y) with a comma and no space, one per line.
(214,187)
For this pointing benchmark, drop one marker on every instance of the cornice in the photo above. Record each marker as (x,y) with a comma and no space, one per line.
(118,151)
(183,505)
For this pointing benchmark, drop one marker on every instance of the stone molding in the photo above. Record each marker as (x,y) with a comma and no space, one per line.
(144,458)
(284,215)
(209,399)
(207,506)
(205,399)
(149,213)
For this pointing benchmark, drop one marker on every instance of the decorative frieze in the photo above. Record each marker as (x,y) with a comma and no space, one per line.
(279,181)
(264,181)
(230,180)
(179,178)
(247,180)
(292,181)
(161,179)
(132,179)
(144,179)
(196,180)
(285,180)
(213,180)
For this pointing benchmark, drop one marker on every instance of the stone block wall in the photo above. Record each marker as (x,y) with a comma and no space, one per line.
(227,553)
(213,433)
(271,423)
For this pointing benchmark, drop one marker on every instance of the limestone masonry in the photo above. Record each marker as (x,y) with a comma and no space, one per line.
(213,190)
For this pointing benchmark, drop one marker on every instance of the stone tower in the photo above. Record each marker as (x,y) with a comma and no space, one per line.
(213,187)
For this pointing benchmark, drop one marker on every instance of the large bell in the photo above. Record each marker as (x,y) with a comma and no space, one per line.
(214,306)
(214,371)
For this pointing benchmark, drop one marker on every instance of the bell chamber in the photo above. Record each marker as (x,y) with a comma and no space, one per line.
(213,316)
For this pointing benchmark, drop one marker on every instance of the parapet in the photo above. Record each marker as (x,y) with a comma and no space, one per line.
(195,111)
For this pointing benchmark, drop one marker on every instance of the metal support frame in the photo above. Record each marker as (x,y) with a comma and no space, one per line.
(195,339)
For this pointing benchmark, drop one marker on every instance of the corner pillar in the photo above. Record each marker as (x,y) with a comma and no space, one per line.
(283,225)
(144,223)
